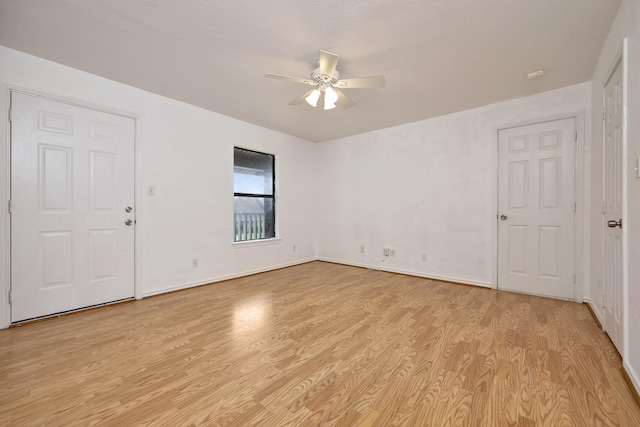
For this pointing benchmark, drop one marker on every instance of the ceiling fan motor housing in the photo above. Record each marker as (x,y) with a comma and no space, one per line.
(320,78)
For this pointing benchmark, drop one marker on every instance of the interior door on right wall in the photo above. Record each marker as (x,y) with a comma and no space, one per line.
(612,212)
(536,208)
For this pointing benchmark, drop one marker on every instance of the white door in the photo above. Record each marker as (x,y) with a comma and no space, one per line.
(72,178)
(612,170)
(536,208)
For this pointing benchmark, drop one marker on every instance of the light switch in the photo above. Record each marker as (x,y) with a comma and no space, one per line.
(151,190)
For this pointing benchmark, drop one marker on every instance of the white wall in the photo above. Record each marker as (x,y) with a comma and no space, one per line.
(626,24)
(187,153)
(427,186)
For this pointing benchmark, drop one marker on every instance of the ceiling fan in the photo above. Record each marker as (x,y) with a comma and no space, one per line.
(327,82)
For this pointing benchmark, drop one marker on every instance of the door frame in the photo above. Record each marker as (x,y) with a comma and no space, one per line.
(6,89)
(619,60)
(581,236)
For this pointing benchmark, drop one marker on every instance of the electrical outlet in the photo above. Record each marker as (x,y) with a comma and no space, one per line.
(362,249)
(392,252)
(194,262)
(294,248)
(424,256)
(385,251)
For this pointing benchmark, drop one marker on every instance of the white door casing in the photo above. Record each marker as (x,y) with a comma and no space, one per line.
(536,208)
(72,177)
(612,207)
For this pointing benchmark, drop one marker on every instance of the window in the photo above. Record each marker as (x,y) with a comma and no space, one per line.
(253,195)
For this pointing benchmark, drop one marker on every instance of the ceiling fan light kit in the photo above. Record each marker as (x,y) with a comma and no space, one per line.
(313,97)
(330,98)
(326,79)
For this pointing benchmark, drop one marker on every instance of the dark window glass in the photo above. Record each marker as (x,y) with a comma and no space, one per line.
(253,203)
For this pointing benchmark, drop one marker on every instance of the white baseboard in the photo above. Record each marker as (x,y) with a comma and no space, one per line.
(223,278)
(411,273)
(633,376)
(335,261)
(594,309)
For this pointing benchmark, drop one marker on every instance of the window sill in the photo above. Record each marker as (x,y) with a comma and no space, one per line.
(261,242)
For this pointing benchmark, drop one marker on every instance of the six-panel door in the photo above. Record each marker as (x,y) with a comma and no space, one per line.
(72,177)
(536,208)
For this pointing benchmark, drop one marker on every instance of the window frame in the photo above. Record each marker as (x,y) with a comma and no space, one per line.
(266,240)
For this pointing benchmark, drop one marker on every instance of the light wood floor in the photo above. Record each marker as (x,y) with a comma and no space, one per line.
(317,344)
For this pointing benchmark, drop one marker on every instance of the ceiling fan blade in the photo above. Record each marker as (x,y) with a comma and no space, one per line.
(299,100)
(291,79)
(344,101)
(328,62)
(360,82)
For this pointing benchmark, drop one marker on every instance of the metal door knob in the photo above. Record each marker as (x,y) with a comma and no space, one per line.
(503,217)
(128,209)
(613,223)
(129,222)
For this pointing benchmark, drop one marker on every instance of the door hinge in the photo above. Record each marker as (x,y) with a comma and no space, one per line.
(603,208)
(10,208)
(10,298)
(575,137)
(575,207)
(604,114)
(574,279)
(10,115)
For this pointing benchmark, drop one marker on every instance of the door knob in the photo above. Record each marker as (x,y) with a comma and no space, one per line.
(613,223)
(129,222)
(128,209)
(503,217)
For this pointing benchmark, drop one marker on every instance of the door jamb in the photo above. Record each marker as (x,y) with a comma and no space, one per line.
(5,188)
(580,243)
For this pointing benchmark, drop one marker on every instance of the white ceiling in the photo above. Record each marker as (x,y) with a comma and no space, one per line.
(439,56)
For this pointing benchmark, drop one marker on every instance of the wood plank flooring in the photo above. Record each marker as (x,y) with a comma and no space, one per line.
(317,344)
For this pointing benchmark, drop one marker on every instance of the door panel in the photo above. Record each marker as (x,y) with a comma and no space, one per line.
(72,177)
(613,208)
(54,189)
(549,255)
(56,249)
(102,171)
(518,249)
(550,183)
(536,209)
(518,185)
(103,252)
